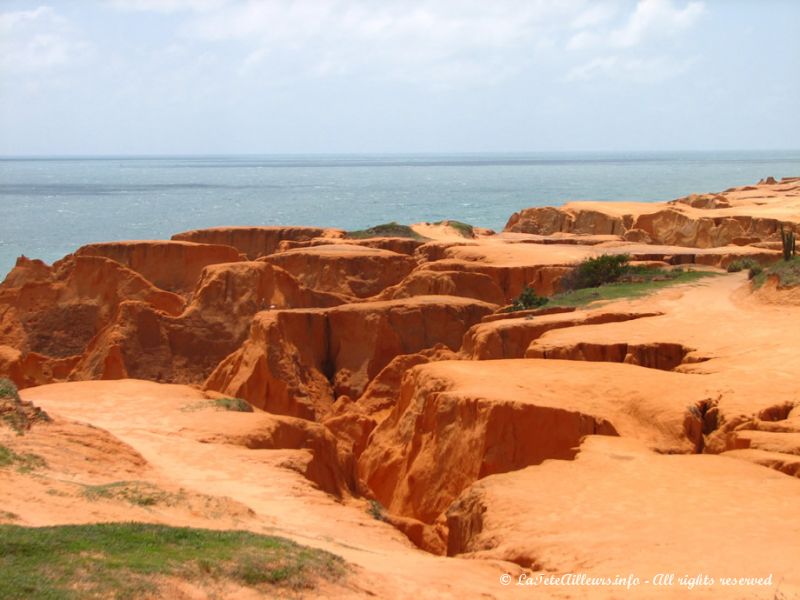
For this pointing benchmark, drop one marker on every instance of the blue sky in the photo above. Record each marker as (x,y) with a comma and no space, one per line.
(281,76)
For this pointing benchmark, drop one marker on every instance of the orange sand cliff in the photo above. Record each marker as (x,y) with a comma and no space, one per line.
(642,436)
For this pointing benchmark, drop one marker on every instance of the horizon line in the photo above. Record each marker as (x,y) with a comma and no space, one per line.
(381,153)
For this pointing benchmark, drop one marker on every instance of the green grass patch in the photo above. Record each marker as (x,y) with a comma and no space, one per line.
(24,463)
(385,230)
(788,272)
(233,404)
(639,282)
(123,560)
(464,229)
(230,404)
(139,493)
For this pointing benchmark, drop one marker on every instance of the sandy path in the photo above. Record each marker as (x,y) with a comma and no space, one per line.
(147,416)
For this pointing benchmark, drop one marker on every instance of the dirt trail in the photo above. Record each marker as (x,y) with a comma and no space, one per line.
(149,417)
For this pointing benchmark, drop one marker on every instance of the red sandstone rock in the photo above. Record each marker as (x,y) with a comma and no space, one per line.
(345,268)
(297,362)
(510,338)
(383,390)
(328,466)
(173,266)
(145,344)
(511,279)
(400,245)
(427,282)
(50,314)
(282,365)
(457,422)
(736,216)
(364,338)
(644,510)
(255,242)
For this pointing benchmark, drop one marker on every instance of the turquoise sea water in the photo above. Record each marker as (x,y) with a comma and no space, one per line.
(51,206)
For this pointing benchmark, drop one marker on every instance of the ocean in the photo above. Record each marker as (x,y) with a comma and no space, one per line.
(51,206)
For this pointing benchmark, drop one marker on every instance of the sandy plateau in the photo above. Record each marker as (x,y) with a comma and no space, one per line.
(444,448)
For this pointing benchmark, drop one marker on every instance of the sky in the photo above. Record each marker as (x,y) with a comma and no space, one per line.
(122,77)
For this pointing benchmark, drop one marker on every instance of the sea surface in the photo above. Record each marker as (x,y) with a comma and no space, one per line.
(51,206)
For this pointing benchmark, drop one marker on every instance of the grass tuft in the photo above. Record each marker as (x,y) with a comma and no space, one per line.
(742,264)
(233,404)
(125,560)
(140,493)
(18,414)
(385,230)
(24,463)
(788,273)
(230,404)
(376,510)
(464,229)
(646,281)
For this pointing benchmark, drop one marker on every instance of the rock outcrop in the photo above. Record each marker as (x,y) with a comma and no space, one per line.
(426,282)
(687,503)
(364,338)
(393,244)
(298,362)
(457,422)
(283,365)
(706,221)
(56,310)
(173,266)
(255,242)
(355,271)
(511,337)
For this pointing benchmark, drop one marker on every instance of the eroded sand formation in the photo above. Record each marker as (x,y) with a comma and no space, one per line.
(407,424)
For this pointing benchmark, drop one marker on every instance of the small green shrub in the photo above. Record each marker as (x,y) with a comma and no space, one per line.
(17,413)
(8,389)
(376,510)
(233,404)
(392,229)
(597,271)
(755,271)
(740,264)
(788,273)
(527,300)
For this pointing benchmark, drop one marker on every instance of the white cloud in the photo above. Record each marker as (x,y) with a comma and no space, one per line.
(167,6)
(37,39)
(418,40)
(595,14)
(649,27)
(656,18)
(651,19)
(639,70)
